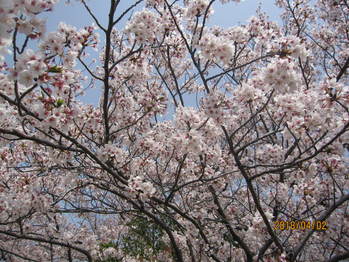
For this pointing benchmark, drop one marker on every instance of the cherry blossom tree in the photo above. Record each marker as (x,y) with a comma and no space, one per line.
(256,171)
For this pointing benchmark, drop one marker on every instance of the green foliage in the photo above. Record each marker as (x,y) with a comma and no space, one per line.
(107,245)
(110,259)
(59,102)
(55,69)
(104,246)
(143,239)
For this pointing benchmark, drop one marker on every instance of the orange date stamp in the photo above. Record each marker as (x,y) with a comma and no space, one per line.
(300,225)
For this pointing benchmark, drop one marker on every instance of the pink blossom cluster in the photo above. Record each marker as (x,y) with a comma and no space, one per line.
(214,106)
(145,26)
(21,14)
(55,42)
(282,75)
(216,49)
(154,3)
(30,66)
(140,187)
(197,8)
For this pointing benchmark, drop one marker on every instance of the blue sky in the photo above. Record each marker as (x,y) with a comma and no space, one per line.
(226,15)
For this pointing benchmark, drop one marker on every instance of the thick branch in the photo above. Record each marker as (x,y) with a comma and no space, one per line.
(324,216)
(241,243)
(54,242)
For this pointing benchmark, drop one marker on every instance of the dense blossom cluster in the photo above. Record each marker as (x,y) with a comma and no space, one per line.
(217,49)
(18,15)
(198,8)
(144,26)
(204,138)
